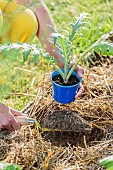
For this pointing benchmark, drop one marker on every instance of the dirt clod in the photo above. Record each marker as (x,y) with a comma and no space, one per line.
(65,121)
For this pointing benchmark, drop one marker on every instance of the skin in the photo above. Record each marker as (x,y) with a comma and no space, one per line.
(7,118)
(7,115)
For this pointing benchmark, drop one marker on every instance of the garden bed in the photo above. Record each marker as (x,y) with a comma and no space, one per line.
(75,145)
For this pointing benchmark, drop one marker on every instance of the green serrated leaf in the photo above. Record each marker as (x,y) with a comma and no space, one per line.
(104,48)
(78,24)
(36,55)
(56,36)
(55,40)
(26,53)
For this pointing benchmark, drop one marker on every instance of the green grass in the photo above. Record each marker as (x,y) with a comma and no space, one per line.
(17,77)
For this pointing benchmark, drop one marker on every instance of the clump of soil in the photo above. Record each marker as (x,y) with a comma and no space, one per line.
(59,80)
(65,121)
(65,127)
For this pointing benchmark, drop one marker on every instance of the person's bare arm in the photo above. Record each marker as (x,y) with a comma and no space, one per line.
(44,34)
(46,23)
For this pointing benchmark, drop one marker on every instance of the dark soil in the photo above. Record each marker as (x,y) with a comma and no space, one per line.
(65,138)
(59,80)
(64,120)
(66,127)
(74,138)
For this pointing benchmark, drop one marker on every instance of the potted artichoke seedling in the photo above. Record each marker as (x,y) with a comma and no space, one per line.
(65,80)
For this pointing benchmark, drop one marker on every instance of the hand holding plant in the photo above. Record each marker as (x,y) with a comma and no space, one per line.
(80,73)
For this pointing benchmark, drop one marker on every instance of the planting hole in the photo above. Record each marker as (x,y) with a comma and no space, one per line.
(62,127)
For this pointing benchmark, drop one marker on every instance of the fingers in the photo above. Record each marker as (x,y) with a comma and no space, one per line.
(16,113)
(15,124)
(80,71)
(80,91)
(9,122)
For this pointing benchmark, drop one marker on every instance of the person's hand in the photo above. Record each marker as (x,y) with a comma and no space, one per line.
(7,118)
(80,73)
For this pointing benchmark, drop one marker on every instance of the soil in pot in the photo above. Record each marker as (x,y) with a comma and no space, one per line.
(59,80)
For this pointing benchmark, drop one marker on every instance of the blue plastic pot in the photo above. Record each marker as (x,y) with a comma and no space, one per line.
(64,94)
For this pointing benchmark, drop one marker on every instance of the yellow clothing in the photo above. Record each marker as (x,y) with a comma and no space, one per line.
(17,23)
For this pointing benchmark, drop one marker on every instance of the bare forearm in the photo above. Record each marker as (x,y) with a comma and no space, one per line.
(45,30)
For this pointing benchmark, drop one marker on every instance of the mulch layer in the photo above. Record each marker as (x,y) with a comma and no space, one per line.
(80,133)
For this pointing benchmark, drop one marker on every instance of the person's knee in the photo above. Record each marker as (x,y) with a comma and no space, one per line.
(19,23)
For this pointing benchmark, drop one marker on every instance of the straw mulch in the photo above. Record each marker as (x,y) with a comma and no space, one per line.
(30,148)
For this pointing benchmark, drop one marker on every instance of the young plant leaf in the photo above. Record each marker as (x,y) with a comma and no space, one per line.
(7,166)
(10,167)
(78,24)
(104,48)
(36,55)
(26,53)
(55,36)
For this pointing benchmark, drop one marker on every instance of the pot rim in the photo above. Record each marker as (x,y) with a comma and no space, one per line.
(75,73)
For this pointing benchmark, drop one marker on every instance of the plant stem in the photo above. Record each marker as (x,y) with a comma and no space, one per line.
(59,70)
(65,58)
